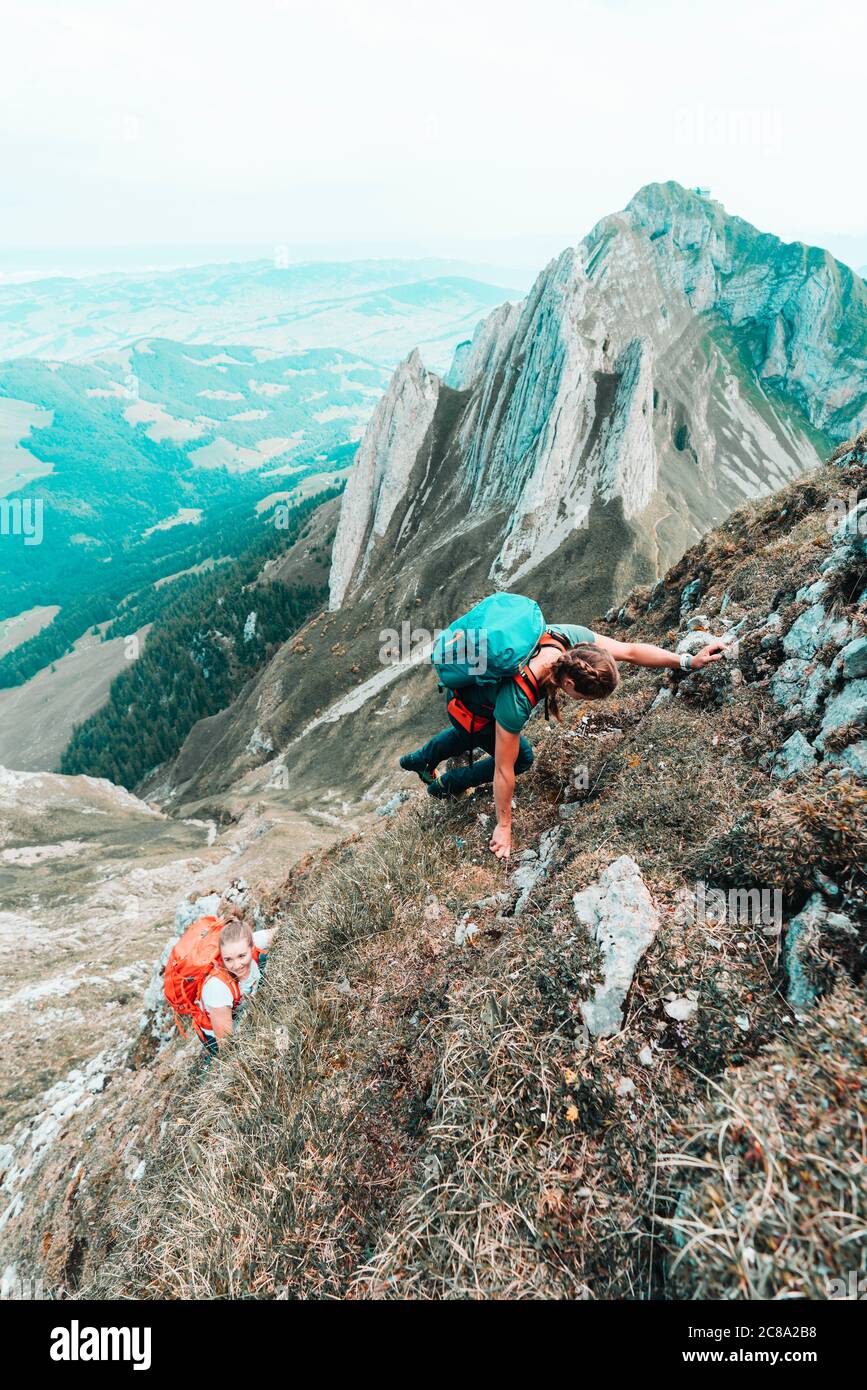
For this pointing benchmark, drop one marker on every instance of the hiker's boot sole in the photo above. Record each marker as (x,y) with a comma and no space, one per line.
(424,773)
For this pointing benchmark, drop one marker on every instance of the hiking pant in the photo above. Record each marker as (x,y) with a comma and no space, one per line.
(454,741)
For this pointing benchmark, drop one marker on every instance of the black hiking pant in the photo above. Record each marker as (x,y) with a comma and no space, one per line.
(451,743)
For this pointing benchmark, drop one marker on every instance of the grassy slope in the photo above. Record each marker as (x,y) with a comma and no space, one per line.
(399,1117)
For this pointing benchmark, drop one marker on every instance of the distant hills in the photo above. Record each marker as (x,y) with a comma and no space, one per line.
(141,458)
(379,309)
(151,425)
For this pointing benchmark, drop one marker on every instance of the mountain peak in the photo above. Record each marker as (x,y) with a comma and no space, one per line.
(670,193)
(676,352)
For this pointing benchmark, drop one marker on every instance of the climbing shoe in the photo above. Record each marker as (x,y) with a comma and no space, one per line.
(439,787)
(413,762)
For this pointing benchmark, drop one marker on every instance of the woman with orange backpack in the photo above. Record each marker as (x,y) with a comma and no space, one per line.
(235,978)
(212,969)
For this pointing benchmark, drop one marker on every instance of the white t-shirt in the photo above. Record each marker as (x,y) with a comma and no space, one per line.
(217,995)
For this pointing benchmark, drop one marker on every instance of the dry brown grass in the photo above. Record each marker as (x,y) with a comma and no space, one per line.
(770,1180)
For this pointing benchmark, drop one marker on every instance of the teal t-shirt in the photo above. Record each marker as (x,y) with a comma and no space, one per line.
(512,709)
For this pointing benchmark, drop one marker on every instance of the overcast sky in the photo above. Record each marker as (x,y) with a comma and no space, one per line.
(490,128)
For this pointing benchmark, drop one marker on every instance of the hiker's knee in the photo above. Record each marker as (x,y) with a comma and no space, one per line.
(524,758)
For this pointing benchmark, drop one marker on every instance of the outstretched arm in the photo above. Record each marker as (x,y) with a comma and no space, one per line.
(645,654)
(505,755)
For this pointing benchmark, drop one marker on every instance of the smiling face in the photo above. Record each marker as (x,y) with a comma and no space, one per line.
(237,957)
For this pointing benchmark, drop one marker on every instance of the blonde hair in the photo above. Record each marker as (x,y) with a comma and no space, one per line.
(592,671)
(235,930)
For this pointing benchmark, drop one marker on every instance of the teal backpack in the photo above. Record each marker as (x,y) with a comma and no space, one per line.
(490,642)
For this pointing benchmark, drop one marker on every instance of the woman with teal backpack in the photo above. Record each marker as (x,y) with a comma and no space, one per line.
(498,662)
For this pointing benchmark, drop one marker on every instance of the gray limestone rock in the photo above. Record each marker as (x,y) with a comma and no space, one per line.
(619,913)
(800,685)
(853,659)
(690,596)
(849,707)
(852,759)
(813,630)
(535,867)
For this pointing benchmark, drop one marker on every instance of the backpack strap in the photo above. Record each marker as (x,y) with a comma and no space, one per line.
(528,685)
(200,1016)
(526,681)
(555,639)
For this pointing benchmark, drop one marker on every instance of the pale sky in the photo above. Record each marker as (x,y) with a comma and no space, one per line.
(484,128)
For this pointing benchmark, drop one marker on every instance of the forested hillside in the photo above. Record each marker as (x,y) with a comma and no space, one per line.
(136,459)
(211,632)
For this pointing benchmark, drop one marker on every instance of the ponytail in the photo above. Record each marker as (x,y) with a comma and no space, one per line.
(592,671)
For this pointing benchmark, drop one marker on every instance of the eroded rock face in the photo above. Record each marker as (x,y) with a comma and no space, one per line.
(796,300)
(800,685)
(847,708)
(812,630)
(851,759)
(619,913)
(379,479)
(613,380)
(853,659)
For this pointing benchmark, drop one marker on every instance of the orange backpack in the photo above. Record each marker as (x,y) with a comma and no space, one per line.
(194,957)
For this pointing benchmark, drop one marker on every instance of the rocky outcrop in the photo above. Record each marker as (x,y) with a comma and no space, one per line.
(378,480)
(618,912)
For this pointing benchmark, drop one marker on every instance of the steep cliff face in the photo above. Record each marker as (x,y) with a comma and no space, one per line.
(800,314)
(382,470)
(676,353)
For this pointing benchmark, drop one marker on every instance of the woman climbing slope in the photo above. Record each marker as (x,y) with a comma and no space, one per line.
(497,663)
